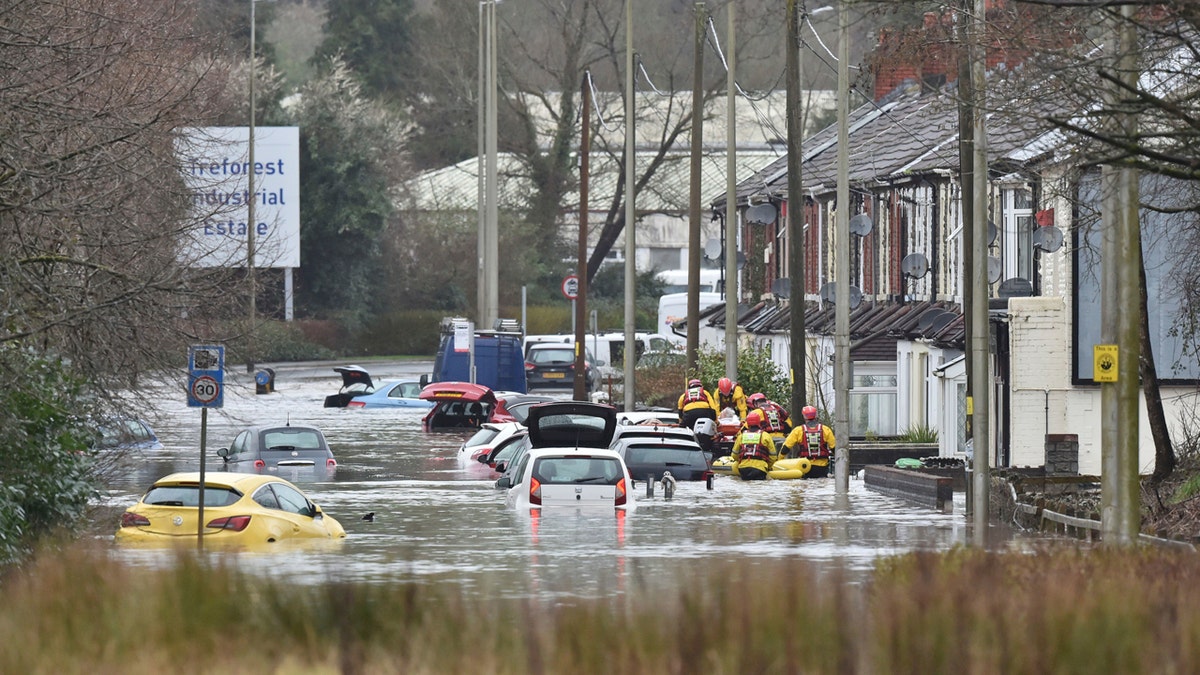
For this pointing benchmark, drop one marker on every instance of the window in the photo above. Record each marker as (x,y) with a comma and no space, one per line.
(873,402)
(1016,241)
(239,444)
(290,499)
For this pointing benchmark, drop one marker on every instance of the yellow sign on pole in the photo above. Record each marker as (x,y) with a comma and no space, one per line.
(1104,365)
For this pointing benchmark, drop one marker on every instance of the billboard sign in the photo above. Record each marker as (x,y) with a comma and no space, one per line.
(216,168)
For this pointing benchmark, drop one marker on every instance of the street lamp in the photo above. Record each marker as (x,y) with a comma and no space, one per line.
(250,203)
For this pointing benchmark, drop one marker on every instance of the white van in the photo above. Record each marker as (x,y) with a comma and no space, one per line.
(673,307)
(676,281)
(609,348)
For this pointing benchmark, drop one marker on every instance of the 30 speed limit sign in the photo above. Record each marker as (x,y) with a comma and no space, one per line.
(206,389)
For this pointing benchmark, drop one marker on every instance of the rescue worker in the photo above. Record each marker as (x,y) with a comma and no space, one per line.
(695,404)
(775,419)
(754,450)
(812,440)
(729,394)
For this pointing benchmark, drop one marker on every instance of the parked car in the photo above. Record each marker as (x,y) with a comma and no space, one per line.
(569,464)
(458,405)
(653,431)
(551,365)
(663,416)
(487,439)
(261,449)
(397,394)
(127,434)
(649,458)
(356,381)
(240,509)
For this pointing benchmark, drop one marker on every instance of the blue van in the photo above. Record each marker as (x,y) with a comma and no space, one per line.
(499,359)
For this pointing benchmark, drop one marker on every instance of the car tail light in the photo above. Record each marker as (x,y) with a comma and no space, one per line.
(259,464)
(356,404)
(134,520)
(619,500)
(535,491)
(529,366)
(235,523)
(331,462)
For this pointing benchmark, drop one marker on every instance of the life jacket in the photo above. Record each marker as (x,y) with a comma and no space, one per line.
(772,420)
(753,448)
(695,395)
(814,442)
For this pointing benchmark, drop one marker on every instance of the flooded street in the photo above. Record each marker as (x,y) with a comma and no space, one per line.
(438,521)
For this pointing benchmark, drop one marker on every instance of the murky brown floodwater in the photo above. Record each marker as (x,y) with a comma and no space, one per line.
(438,521)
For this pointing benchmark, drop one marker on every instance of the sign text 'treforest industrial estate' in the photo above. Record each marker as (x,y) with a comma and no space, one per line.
(216,168)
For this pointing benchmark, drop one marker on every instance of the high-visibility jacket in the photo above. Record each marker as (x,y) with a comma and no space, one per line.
(754,448)
(736,400)
(695,397)
(814,441)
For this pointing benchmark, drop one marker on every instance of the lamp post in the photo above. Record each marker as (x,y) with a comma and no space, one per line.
(250,203)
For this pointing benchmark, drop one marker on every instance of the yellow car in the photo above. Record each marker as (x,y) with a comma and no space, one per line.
(239,508)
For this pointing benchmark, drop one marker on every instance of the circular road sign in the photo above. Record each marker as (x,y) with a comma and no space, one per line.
(570,287)
(205,389)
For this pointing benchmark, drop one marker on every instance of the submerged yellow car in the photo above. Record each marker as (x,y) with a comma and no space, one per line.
(239,508)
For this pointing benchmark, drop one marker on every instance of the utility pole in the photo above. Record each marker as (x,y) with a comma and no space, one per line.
(1120,291)
(795,207)
(481,169)
(585,150)
(250,216)
(731,200)
(841,263)
(491,252)
(693,260)
(980,402)
(630,387)
(966,159)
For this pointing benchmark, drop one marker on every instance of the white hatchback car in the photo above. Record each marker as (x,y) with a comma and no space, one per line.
(569,463)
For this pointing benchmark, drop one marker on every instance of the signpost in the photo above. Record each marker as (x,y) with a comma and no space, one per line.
(206,389)
(570,287)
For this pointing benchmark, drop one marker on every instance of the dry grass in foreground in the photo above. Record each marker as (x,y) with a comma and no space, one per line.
(963,611)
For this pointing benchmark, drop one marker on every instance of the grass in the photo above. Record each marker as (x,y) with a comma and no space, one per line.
(961,611)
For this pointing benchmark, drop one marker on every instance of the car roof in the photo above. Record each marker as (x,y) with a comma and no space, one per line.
(538,453)
(546,429)
(243,482)
(258,428)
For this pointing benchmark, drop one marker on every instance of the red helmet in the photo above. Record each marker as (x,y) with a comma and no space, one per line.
(756,399)
(809,412)
(695,383)
(754,419)
(725,386)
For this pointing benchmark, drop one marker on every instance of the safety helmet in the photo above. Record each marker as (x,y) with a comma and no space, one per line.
(809,412)
(695,383)
(754,419)
(725,386)
(757,398)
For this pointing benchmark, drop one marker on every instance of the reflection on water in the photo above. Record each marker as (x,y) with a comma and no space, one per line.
(438,521)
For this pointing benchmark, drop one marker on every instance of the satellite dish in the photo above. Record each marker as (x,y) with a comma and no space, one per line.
(782,288)
(994,269)
(914,265)
(855,297)
(1015,287)
(762,214)
(941,321)
(927,318)
(992,232)
(829,293)
(861,225)
(712,249)
(1048,238)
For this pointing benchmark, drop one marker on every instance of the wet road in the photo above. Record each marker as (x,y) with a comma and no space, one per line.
(439,521)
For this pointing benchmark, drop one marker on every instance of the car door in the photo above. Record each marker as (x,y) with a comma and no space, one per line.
(291,512)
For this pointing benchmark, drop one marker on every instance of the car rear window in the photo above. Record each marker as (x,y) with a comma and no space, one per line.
(189,495)
(291,439)
(578,469)
(657,454)
(547,356)
(484,435)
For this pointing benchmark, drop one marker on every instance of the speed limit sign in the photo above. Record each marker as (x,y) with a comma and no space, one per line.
(206,390)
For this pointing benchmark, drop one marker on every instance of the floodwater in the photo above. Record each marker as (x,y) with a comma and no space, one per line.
(438,521)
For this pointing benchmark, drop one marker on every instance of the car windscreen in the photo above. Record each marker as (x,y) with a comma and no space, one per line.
(189,495)
(291,439)
(664,455)
(578,469)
